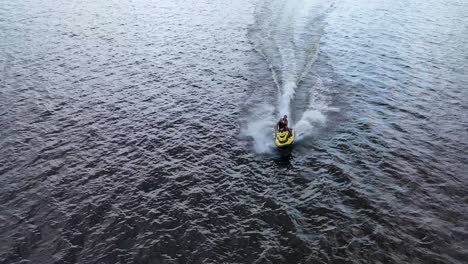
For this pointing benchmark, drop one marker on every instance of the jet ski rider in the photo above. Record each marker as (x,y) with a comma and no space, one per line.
(282,125)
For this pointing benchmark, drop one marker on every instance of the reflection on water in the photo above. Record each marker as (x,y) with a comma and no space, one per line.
(141,132)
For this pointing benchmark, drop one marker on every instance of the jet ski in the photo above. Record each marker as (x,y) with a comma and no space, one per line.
(283,139)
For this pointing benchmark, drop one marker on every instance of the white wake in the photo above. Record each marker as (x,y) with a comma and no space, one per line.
(287,34)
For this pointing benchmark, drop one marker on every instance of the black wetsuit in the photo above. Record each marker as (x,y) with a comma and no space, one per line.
(282,125)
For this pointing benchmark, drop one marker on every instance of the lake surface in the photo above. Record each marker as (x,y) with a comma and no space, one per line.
(142,131)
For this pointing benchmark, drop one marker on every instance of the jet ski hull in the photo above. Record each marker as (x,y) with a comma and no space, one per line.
(282,140)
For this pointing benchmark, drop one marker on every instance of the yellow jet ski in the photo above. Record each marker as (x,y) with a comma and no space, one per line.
(283,139)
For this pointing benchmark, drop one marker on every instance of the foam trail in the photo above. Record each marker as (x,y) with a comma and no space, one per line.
(287,95)
(315,114)
(308,122)
(260,129)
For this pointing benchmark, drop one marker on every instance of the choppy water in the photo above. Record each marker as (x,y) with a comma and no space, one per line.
(141,131)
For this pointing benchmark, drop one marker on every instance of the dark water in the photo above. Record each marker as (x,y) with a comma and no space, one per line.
(141,131)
